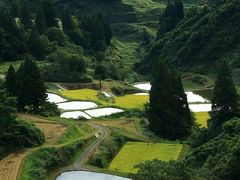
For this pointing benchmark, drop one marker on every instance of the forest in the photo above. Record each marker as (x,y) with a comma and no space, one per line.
(119,89)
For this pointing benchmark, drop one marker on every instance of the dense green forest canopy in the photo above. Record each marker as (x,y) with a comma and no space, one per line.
(201,40)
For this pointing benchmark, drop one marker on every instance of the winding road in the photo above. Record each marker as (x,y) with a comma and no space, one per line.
(80,162)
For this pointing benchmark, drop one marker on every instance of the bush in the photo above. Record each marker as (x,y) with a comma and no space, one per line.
(57,35)
(38,164)
(156,169)
(108,149)
(129,113)
(49,109)
(22,134)
(67,67)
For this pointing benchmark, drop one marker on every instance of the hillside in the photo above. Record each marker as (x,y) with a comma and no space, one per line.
(219,157)
(201,40)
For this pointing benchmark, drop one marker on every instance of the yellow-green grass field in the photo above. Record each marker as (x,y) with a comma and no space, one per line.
(83,94)
(134,153)
(128,101)
(131,101)
(202,118)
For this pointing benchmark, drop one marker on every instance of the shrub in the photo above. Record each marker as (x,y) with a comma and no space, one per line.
(49,109)
(156,169)
(108,149)
(22,134)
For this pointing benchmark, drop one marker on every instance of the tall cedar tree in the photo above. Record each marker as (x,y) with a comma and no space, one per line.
(31,89)
(40,19)
(183,119)
(25,14)
(11,81)
(172,15)
(101,73)
(49,13)
(67,19)
(107,29)
(35,43)
(169,114)
(98,35)
(15,9)
(225,101)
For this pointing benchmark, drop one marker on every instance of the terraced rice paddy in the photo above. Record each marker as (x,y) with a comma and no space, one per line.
(76,105)
(103,112)
(134,153)
(202,118)
(54,98)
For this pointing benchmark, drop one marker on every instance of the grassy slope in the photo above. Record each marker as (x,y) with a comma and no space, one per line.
(135,152)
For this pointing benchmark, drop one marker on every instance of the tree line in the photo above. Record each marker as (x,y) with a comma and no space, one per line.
(26,32)
(27,85)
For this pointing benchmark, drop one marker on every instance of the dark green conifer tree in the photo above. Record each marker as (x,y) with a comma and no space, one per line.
(160,113)
(49,13)
(25,14)
(169,114)
(172,15)
(31,89)
(183,119)
(98,35)
(225,101)
(101,73)
(15,9)
(40,19)
(68,22)
(11,83)
(107,29)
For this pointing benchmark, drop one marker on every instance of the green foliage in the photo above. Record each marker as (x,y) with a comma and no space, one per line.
(20,135)
(108,149)
(67,67)
(123,89)
(225,102)
(41,161)
(7,112)
(169,114)
(49,109)
(39,46)
(172,15)
(200,43)
(49,13)
(56,35)
(31,90)
(16,134)
(156,169)
(216,158)
(11,81)
(73,133)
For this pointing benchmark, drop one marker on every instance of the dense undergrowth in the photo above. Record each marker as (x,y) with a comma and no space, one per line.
(43,160)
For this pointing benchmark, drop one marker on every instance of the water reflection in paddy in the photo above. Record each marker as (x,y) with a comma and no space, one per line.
(84,175)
